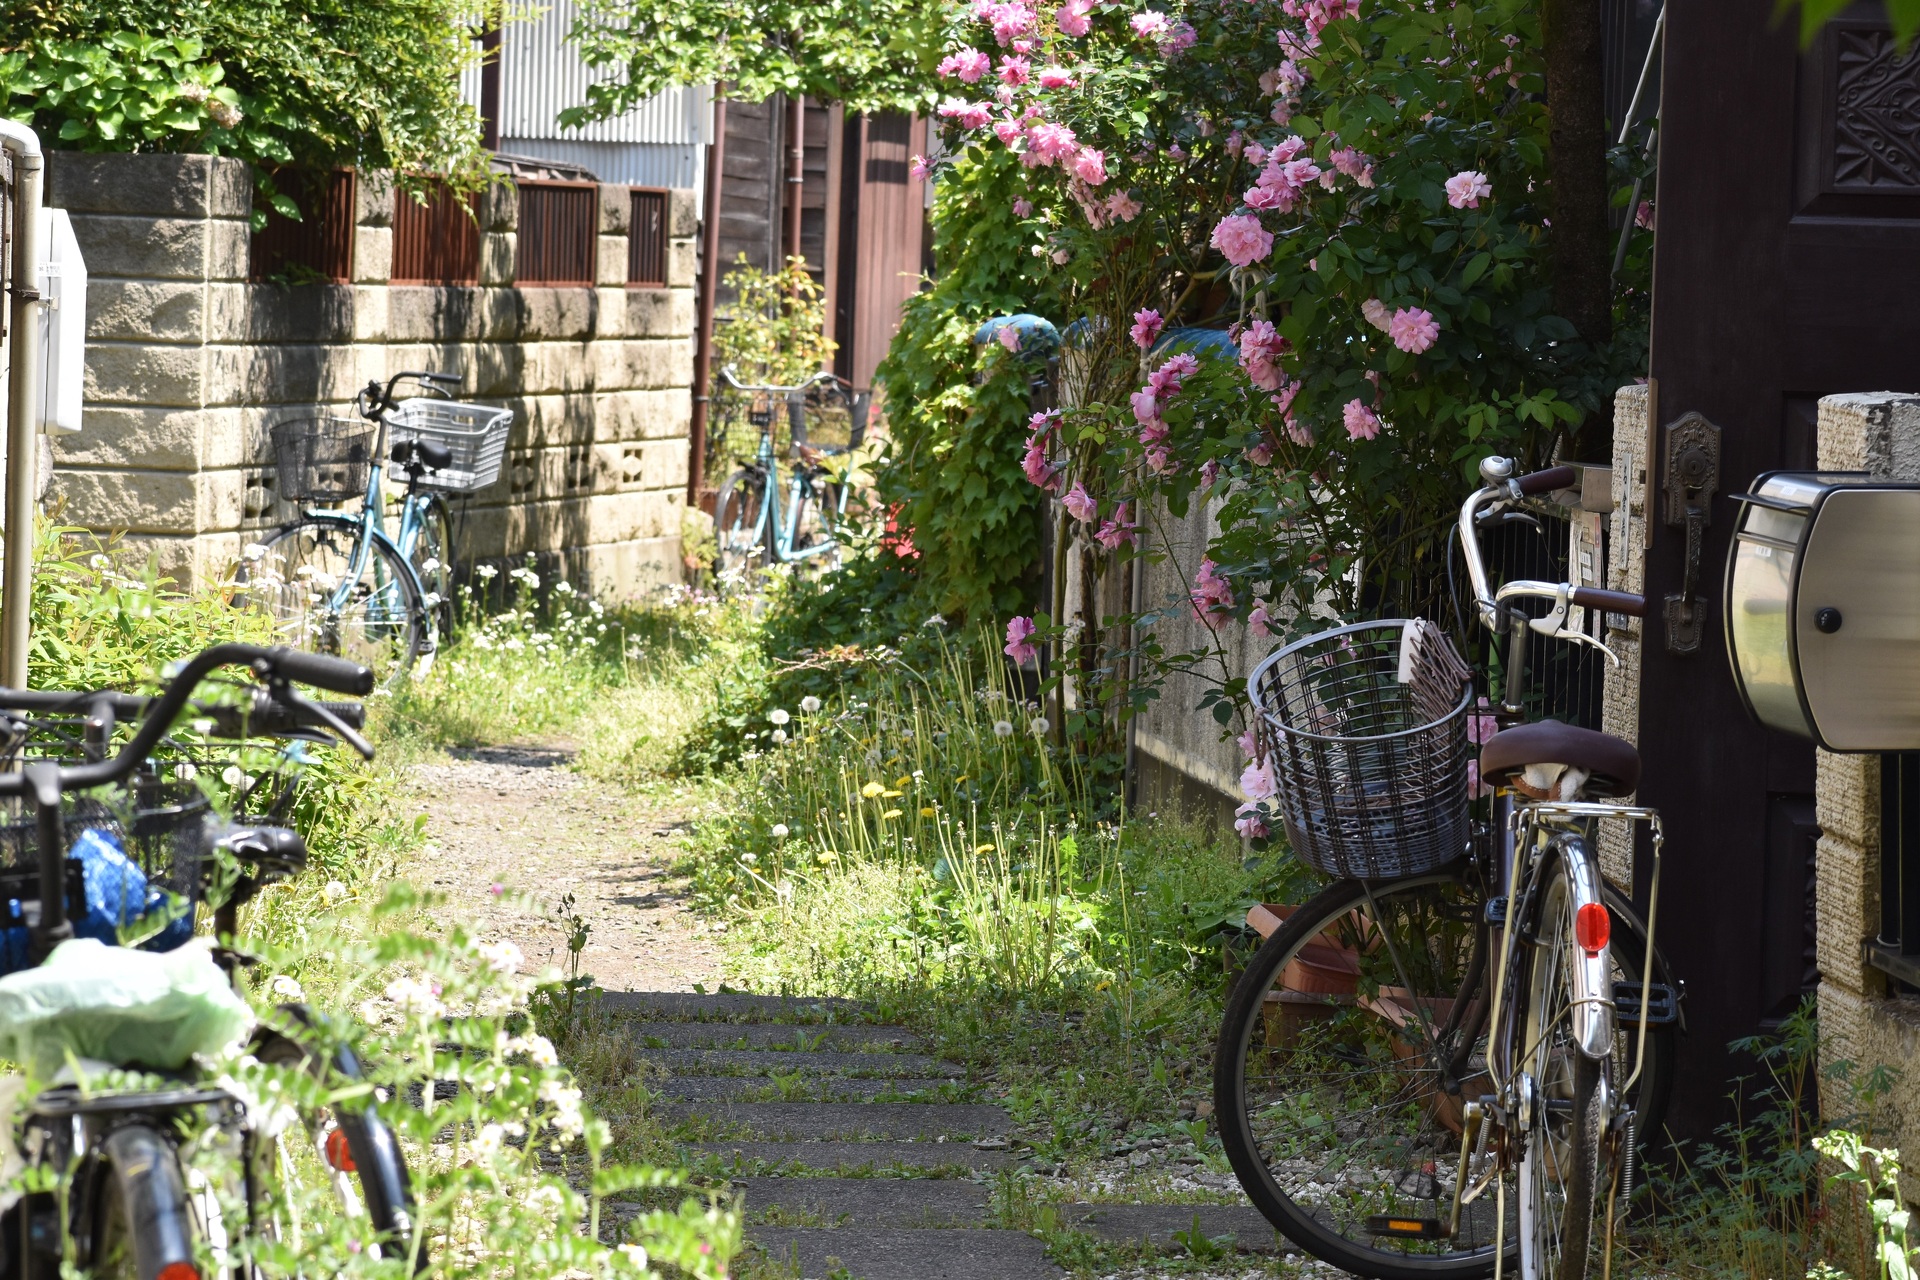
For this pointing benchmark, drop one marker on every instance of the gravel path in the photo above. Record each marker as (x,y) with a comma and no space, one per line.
(519,819)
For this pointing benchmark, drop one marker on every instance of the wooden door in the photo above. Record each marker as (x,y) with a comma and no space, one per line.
(882,212)
(1787,267)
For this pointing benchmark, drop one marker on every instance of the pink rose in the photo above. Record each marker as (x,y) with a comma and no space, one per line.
(1376,314)
(1014,70)
(1413,330)
(1249,823)
(1362,422)
(1011,21)
(1261,347)
(1256,781)
(1050,143)
(1072,19)
(1151,25)
(1146,407)
(1260,622)
(1009,338)
(1055,77)
(1080,504)
(1211,596)
(918,170)
(1019,644)
(968,64)
(1467,188)
(1116,530)
(1123,206)
(1643,216)
(1039,472)
(1008,130)
(1090,166)
(1179,39)
(1146,327)
(1022,207)
(1241,239)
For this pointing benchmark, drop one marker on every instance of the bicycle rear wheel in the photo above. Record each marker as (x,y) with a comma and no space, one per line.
(1330,1079)
(296,579)
(1560,1168)
(138,1224)
(740,523)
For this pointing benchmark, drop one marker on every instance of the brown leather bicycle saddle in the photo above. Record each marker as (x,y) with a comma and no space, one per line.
(1613,765)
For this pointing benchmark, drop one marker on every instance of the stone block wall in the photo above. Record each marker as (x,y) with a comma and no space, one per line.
(189,363)
(1863,1018)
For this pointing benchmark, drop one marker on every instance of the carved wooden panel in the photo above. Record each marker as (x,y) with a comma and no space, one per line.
(1859,134)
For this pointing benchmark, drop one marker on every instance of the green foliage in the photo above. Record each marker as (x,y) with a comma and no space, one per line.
(956,410)
(872,55)
(1902,15)
(776,330)
(276,82)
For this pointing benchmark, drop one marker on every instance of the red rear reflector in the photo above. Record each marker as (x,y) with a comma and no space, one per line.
(1592,926)
(179,1271)
(339,1154)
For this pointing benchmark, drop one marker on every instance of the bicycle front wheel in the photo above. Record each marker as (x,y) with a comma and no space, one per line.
(432,561)
(1335,1085)
(1560,1168)
(302,578)
(740,523)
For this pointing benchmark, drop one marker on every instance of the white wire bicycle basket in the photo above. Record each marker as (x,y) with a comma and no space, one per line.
(474,434)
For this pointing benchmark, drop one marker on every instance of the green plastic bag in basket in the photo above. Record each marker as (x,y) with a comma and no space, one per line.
(114,1004)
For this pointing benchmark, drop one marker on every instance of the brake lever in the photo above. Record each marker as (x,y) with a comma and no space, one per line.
(339,727)
(1553,625)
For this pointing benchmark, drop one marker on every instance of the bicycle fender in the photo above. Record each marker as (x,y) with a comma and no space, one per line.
(1592,971)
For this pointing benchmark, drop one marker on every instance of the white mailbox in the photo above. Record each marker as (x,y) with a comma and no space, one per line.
(63,324)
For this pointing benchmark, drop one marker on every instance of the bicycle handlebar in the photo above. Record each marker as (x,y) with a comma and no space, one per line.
(374,402)
(278,664)
(727,376)
(1503,486)
(262,715)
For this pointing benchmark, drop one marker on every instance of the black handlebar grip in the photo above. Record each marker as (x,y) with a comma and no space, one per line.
(351,714)
(335,675)
(1547,481)
(1609,601)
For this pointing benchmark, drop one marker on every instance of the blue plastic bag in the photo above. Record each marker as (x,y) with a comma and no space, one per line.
(118,896)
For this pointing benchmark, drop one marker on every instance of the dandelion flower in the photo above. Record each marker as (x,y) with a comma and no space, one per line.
(1003,728)
(809,706)
(873,791)
(926,811)
(779,831)
(779,715)
(890,815)
(779,736)
(334,891)
(1039,726)
(285,987)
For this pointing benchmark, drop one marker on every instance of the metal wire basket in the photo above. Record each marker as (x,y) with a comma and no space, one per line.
(1370,748)
(323,459)
(476,436)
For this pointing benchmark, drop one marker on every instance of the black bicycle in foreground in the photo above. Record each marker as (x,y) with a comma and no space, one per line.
(107,1188)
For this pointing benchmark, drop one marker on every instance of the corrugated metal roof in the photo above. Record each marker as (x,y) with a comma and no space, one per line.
(541,75)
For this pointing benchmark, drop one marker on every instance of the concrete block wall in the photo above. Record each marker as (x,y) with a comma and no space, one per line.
(189,364)
(1863,1019)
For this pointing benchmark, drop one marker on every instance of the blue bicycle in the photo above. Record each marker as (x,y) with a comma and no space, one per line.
(751,524)
(336,582)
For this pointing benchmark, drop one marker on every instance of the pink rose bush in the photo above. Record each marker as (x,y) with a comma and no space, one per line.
(1019,644)
(1466,189)
(1241,239)
(1146,327)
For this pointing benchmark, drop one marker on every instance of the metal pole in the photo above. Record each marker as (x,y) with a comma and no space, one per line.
(709,283)
(796,169)
(16,589)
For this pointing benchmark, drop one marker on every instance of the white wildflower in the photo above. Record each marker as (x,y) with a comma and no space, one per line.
(285,987)
(567,1118)
(635,1254)
(1039,725)
(485,572)
(779,715)
(334,892)
(809,706)
(564,587)
(547,1199)
(1003,728)
(779,736)
(486,1144)
(935,621)
(501,956)
(430,564)
(417,997)
(779,831)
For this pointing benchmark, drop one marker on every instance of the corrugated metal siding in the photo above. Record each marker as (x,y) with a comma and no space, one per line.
(541,75)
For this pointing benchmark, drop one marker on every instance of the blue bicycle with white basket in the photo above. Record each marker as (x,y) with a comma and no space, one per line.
(337,582)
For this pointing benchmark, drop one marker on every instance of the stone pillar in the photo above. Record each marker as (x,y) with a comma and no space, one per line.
(1626,571)
(1861,1020)
(166,241)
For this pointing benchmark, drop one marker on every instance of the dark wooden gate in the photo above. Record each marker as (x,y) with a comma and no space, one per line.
(1787,267)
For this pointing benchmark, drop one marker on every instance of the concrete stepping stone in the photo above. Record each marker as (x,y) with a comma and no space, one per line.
(957,1254)
(760,1062)
(1158,1223)
(804,1121)
(819,1089)
(868,1202)
(853,1157)
(682,1006)
(844,1037)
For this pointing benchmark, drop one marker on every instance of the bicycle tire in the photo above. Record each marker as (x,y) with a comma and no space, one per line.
(1324,1051)
(383,627)
(138,1222)
(1243,1023)
(433,563)
(740,525)
(1560,1171)
(375,1161)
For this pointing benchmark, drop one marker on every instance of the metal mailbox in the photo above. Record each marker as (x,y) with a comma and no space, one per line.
(1823,608)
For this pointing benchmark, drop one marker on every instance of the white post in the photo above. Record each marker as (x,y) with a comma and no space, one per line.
(16,588)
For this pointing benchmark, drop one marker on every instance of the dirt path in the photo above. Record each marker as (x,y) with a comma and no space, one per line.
(511,831)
